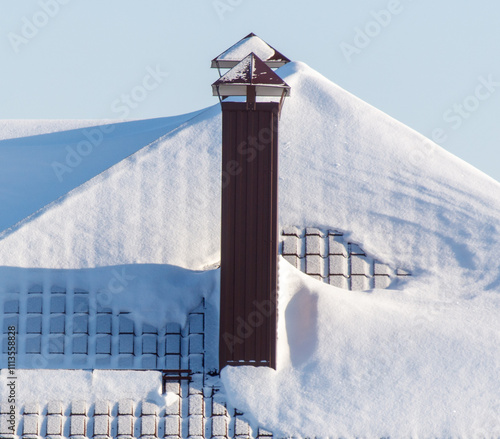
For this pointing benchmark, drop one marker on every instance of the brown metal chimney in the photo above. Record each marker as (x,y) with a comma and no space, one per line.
(249,231)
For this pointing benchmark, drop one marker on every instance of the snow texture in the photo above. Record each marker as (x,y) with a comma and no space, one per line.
(240,72)
(154,294)
(384,364)
(17,128)
(92,386)
(422,361)
(43,160)
(159,205)
(341,161)
(248,45)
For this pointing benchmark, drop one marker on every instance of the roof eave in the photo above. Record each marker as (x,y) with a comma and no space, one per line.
(240,89)
(229,64)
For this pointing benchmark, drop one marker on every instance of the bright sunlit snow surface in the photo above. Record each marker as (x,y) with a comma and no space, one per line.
(248,45)
(421,361)
(379,364)
(43,160)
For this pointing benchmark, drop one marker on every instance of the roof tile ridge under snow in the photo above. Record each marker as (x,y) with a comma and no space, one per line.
(12,229)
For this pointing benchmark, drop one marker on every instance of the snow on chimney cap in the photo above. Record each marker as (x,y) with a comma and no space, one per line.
(251,71)
(251,43)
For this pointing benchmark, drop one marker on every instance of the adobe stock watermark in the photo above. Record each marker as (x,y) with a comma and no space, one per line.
(364,35)
(456,116)
(246,327)
(460,112)
(222,7)
(30,27)
(127,102)
(93,138)
(116,285)
(11,379)
(249,150)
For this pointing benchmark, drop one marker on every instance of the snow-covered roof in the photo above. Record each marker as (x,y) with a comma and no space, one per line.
(43,160)
(68,329)
(120,403)
(63,326)
(350,363)
(343,164)
(189,412)
(251,43)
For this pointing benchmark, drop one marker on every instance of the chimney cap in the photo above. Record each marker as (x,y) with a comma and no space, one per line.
(253,72)
(251,43)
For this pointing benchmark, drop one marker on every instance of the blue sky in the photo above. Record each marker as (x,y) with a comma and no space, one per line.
(432,65)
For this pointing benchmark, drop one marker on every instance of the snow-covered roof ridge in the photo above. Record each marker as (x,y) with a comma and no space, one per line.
(123,198)
(383,179)
(57,156)
(342,161)
(18,128)
(82,187)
